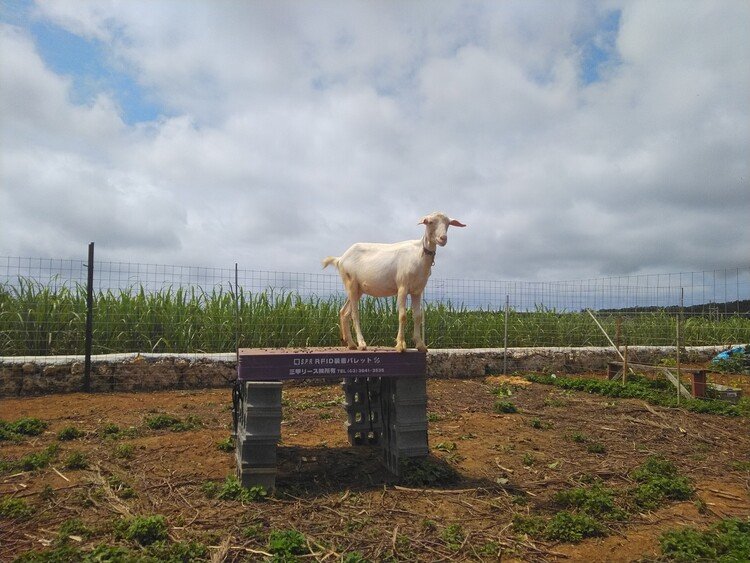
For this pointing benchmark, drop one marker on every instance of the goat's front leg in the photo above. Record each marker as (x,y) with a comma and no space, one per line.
(416,312)
(401,300)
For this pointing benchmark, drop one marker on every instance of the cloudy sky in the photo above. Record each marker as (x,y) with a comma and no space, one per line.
(575,139)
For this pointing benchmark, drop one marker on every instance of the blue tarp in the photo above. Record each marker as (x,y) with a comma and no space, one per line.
(727,354)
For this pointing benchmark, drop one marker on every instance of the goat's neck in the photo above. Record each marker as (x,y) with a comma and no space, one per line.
(428,245)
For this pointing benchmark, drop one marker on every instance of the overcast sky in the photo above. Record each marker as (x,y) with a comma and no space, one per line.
(575,139)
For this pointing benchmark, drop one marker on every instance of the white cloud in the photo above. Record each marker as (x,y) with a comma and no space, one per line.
(292,130)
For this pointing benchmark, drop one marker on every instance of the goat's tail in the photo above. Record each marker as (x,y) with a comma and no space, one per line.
(330,260)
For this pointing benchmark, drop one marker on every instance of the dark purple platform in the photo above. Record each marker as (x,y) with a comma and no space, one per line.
(257,364)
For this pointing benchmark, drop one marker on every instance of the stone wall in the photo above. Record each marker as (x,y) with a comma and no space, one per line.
(148,372)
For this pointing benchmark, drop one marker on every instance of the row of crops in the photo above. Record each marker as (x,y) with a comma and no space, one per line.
(36,319)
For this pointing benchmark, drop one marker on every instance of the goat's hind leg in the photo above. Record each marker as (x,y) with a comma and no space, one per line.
(361,344)
(345,317)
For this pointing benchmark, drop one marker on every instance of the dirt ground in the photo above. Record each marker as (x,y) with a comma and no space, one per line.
(342,499)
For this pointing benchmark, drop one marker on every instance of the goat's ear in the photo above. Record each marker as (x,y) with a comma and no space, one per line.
(456,223)
(424,221)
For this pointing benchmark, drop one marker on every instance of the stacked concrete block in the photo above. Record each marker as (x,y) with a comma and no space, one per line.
(404,413)
(362,403)
(258,430)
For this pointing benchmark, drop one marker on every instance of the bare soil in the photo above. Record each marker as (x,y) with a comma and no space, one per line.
(342,499)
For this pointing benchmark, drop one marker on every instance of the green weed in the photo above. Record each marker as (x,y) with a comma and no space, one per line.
(73,527)
(31,461)
(652,391)
(728,540)
(285,545)
(142,529)
(563,526)
(173,423)
(658,480)
(70,433)
(226,445)
(15,509)
(232,489)
(505,407)
(453,536)
(426,472)
(76,460)
(124,451)
(17,429)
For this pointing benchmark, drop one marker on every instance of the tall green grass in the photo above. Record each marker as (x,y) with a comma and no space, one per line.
(37,319)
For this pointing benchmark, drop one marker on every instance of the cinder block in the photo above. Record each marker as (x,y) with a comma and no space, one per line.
(257,476)
(404,413)
(262,393)
(261,423)
(253,452)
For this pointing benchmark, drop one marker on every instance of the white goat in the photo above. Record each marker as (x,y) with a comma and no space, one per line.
(383,270)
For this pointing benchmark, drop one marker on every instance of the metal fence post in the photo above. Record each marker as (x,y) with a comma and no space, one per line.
(505,336)
(89,320)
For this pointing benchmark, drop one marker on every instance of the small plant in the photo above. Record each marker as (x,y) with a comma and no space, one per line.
(163,550)
(504,390)
(578,438)
(596,501)
(569,527)
(285,544)
(596,448)
(530,525)
(539,425)
(15,431)
(434,417)
(122,489)
(47,492)
(232,489)
(32,461)
(728,540)
(490,549)
(76,460)
(426,472)
(226,445)
(73,527)
(658,480)
(109,430)
(505,407)
(124,451)
(70,433)
(142,529)
(453,536)
(252,532)
(563,526)
(354,557)
(15,509)
(528,459)
(446,446)
(29,426)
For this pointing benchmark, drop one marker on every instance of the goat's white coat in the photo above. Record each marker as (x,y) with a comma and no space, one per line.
(382,270)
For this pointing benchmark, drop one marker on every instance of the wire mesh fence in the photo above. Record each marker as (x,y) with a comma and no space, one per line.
(188,309)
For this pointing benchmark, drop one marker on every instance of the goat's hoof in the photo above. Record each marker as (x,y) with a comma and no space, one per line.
(362,347)
(352,346)
(400,347)
(421,347)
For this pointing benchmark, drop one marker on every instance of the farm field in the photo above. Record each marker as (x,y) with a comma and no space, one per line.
(144,473)
(39,320)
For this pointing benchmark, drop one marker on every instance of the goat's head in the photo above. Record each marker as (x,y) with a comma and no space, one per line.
(436,227)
